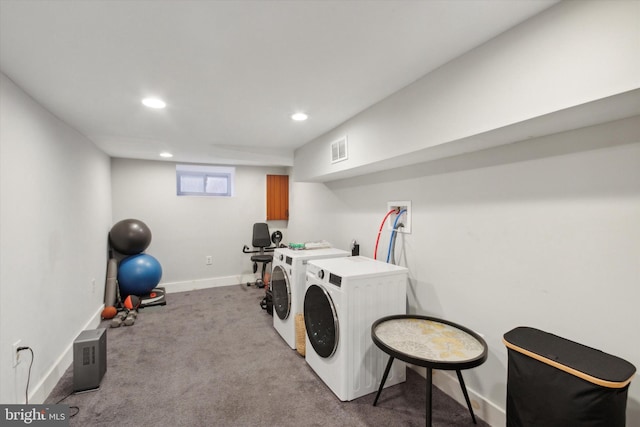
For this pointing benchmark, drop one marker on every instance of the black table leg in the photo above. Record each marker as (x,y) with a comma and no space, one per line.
(466,395)
(429,381)
(384,379)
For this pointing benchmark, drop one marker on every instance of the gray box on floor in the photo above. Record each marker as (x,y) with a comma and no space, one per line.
(89,359)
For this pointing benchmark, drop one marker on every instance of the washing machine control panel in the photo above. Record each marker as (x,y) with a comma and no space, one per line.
(334,279)
(289,260)
(324,276)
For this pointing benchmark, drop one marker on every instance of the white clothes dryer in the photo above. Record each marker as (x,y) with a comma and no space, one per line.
(343,298)
(288,285)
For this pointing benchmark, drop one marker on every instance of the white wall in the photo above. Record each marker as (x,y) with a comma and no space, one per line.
(55,212)
(511,237)
(571,56)
(187,229)
(317,214)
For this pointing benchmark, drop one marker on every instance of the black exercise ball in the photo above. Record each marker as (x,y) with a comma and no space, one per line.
(130,236)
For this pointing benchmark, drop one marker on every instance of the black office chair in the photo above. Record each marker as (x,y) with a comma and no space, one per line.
(262,241)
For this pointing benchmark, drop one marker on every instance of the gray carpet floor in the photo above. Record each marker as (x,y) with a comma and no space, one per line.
(212,358)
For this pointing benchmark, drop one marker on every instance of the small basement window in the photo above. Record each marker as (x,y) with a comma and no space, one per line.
(199,180)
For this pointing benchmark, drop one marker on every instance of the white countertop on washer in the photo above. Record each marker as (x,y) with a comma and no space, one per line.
(355,266)
(312,253)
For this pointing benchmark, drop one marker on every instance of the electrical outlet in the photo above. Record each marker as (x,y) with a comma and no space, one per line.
(209,260)
(405,217)
(15,356)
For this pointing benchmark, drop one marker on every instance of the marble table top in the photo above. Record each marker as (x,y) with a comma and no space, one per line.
(429,340)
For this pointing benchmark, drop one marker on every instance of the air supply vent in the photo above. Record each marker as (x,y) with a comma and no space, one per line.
(339,150)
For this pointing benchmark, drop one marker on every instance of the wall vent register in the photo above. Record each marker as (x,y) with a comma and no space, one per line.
(339,150)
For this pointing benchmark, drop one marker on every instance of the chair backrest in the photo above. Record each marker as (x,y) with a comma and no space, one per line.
(261,236)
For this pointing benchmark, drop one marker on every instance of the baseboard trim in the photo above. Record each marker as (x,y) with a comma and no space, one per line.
(489,412)
(213,282)
(42,390)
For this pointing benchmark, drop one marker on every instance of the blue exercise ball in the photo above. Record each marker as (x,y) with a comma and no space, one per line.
(138,275)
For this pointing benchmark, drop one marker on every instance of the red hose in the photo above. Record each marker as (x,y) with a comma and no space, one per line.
(375,251)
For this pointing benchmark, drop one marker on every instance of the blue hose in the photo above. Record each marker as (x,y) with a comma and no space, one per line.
(395,223)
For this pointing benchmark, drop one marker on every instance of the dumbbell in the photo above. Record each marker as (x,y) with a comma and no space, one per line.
(131,318)
(116,322)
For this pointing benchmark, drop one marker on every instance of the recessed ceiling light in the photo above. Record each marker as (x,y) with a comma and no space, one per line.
(154,103)
(299,117)
(166,154)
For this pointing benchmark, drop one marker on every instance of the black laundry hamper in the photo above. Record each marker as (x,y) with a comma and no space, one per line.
(554,382)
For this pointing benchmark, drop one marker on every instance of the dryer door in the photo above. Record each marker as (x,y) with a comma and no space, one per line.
(321,321)
(281,292)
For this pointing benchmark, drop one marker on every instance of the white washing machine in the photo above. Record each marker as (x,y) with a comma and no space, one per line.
(343,298)
(288,285)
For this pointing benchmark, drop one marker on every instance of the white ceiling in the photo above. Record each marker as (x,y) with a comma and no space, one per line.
(232,72)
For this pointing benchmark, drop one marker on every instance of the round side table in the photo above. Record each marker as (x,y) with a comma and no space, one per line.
(431,343)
